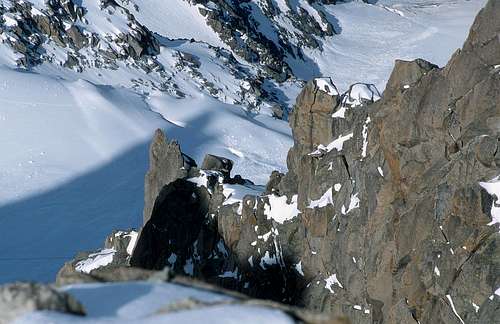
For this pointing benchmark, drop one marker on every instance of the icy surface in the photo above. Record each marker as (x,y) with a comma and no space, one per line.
(142,302)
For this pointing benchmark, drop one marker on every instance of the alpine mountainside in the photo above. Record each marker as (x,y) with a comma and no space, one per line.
(388,213)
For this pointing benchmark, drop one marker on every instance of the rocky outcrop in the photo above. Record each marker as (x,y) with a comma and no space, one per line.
(94,266)
(22,298)
(387,213)
(261,32)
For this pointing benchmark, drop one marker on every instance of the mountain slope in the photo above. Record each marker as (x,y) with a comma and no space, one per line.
(83,85)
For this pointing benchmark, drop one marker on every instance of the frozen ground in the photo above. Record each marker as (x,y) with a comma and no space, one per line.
(73,147)
(144,302)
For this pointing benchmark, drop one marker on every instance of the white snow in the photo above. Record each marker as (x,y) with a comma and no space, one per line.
(454,309)
(235,193)
(493,188)
(332,280)
(326,85)
(353,204)
(131,244)
(360,92)
(279,210)
(324,200)
(365,137)
(340,113)
(380,171)
(74,145)
(337,144)
(267,260)
(337,187)
(298,268)
(96,260)
(436,271)
(142,302)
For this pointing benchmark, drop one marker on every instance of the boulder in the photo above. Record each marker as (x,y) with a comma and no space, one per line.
(218,163)
(18,299)
(166,164)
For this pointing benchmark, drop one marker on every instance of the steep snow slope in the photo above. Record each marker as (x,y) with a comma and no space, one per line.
(143,303)
(74,144)
(373,36)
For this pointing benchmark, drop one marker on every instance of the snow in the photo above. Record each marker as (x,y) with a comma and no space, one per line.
(365,137)
(298,268)
(96,260)
(380,171)
(267,260)
(326,85)
(453,308)
(279,210)
(131,244)
(142,302)
(340,113)
(332,280)
(326,199)
(436,271)
(360,92)
(353,204)
(74,145)
(337,187)
(175,19)
(372,36)
(337,144)
(235,193)
(493,188)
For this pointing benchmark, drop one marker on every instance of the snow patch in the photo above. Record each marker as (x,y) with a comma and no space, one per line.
(298,268)
(353,204)
(493,188)
(279,210)
(326,199)
(96,260)
(332,280)
(454,309)
(337,144)
(326,85)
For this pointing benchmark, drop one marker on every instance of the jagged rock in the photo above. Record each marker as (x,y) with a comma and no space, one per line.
(166,164)
(112,274)
(117,251)
(218,163)
(381,217)
(18,299)
(388,222)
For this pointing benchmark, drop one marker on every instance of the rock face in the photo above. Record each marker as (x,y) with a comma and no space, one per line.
(21,298)
(386,215)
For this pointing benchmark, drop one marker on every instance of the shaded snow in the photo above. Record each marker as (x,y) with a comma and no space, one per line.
(141,302)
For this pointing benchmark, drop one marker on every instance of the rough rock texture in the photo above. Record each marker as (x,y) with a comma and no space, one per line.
(18,299)
(166,164)
(238,24)
(381,217)
(93,266)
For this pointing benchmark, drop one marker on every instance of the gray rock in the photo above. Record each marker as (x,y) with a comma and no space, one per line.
(166,164)
(218,163)
(18,299)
